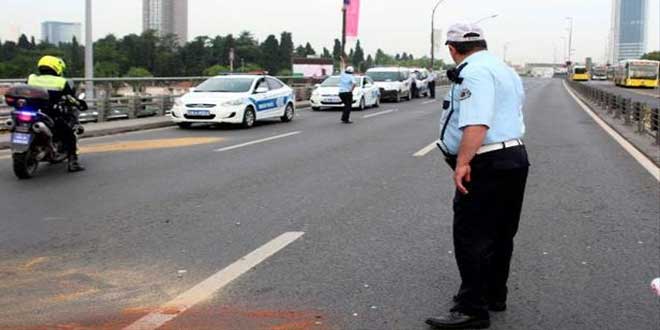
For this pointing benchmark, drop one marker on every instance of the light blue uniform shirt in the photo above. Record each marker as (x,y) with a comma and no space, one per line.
(491,94)
(346,83)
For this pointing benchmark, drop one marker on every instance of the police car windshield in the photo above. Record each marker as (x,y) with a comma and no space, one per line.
(225,85)
(384,76)
(331,82)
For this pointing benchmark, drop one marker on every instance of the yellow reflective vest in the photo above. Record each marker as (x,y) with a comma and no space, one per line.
(51,83)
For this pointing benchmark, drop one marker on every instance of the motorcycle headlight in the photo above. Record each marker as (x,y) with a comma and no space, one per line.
(233,102)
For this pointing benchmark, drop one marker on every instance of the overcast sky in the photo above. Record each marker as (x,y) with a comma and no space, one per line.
(532,28)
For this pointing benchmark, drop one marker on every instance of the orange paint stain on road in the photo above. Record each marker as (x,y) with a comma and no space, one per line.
(142,145)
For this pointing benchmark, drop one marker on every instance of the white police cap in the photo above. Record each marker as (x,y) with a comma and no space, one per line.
(462,32)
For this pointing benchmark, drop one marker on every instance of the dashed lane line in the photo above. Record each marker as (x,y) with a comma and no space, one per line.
(640,157)
(425,151)
(211,285)
(380,113)
(276,137)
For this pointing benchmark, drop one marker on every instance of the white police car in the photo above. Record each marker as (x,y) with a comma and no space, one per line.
(239,99)
(394,83)
(326,95)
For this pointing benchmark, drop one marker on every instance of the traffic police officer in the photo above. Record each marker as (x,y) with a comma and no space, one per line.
(346,86)
(51,69)
(481,131)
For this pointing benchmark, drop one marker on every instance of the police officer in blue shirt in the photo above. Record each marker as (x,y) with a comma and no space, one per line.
(481,130)
(346,87)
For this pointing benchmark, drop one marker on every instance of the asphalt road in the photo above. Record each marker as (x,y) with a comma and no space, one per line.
(160,212)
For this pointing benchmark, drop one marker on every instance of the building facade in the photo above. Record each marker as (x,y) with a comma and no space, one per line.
(166,17)
(629,25)
(60,32)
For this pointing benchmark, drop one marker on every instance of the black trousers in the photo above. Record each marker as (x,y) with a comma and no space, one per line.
(485,224)
(64,130)
(347,99)
(432,89)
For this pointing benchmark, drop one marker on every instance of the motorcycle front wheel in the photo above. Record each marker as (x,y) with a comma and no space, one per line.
(25,165)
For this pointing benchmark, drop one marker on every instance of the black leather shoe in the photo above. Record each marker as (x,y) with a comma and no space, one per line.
(347,121)
(74,166)
(458,320)
(497,306)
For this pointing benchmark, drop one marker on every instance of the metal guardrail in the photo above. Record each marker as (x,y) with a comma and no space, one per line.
(640,116)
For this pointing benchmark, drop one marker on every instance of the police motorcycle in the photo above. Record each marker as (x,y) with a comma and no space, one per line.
(32,131)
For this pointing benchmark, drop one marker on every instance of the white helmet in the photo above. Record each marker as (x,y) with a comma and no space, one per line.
(350,69)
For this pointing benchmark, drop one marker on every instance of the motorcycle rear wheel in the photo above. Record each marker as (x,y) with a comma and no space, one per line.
(25,166)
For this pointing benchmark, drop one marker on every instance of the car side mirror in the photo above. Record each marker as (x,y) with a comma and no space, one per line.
(261,90)
(192,89)
(81,96)
(317,85)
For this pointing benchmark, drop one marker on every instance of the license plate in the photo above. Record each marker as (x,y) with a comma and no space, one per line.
(199,112)
(21,138)
(332,99)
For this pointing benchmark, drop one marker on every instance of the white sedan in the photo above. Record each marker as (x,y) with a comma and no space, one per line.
(240,99)
(326,95)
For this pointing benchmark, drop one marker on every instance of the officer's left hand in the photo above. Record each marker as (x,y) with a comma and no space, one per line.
(462,173)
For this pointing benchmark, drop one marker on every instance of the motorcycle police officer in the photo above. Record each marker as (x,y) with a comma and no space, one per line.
(50,77)
(481,131)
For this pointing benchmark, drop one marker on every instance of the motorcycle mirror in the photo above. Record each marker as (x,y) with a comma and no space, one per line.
(81,96)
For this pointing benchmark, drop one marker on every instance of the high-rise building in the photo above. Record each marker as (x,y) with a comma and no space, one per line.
(60,32)
(166,17)
(628,34)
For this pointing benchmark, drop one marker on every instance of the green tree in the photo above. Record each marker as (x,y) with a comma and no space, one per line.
(368,64)
(655,56)
(285,51)
(215,70)
(358,56)
(270,54)
(23,42)
(309,50)
(336,51)
(106,69)
(300,51)
(136,72)
(326,54)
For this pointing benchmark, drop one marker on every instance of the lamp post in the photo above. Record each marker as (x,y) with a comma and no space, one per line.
(89,50)
(570,39)
(485,18)
(433,32)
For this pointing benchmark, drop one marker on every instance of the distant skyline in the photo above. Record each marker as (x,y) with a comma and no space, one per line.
(532,29)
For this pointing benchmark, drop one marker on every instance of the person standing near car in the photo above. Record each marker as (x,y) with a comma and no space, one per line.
(432,78)
(481,131)
(346,86)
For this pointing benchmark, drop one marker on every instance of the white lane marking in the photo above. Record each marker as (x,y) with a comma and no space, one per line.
(211,285)
(425,151)
(428,102)
(380,113)
(257,141)
(640,157)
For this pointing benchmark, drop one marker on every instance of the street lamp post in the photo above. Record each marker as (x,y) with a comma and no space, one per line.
(570,39)
(433,32)
(485,18)
(89,50)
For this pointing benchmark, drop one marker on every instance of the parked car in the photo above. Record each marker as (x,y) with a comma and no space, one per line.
(394,83)
(326,95)
(239,99)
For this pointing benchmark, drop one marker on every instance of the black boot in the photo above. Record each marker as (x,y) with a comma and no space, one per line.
(74,165)
(458,320)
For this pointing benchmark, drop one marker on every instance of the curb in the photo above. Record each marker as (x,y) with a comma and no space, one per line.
(135,128)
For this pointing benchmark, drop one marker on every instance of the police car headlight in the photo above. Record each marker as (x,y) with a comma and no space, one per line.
(178,102)
(233,102)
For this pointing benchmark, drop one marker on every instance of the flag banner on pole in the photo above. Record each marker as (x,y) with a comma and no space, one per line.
(352,17)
